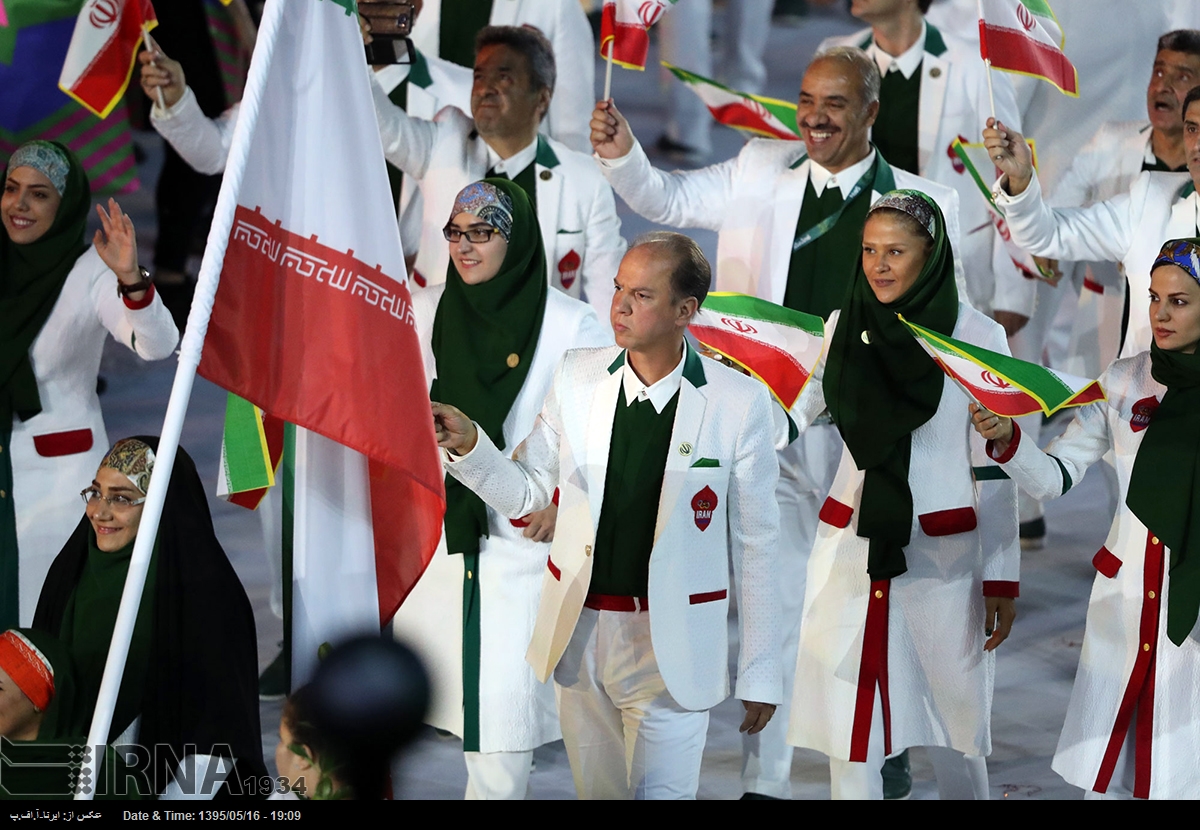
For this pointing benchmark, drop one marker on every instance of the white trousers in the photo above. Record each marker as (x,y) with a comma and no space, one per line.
(626,737)
(498,776)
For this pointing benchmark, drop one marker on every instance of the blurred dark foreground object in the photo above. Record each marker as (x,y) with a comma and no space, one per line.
(369,698)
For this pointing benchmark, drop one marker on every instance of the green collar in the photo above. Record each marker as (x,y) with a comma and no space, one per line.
(935,44)
(885,180)
(418,74)
(1187,190)
(693,367)
(803,158)
(545,153)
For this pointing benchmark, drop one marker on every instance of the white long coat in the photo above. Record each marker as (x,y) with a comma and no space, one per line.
(938,678)
(722,418)
(516,712)
(576,211)
(56,453)
(954,103)
(1129,600)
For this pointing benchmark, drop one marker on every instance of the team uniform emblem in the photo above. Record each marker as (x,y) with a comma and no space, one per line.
(704,503)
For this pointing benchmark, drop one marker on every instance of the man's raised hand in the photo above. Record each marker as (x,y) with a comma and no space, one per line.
(611,136)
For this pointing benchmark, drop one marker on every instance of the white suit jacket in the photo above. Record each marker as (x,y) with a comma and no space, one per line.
(1129,228)
(576,210)
(753,201)
(954,103)
(566,27)
(722,444)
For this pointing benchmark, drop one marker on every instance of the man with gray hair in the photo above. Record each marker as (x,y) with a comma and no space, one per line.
(789,218)
(514,81)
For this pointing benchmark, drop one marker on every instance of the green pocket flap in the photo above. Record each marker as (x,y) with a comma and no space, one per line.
(707,462)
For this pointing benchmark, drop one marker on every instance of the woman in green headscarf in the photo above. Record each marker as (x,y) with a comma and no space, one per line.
(913,572)
(59,300)
(1132,728)
(492,336)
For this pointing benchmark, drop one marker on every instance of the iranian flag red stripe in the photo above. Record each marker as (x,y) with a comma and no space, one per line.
(625,29)
(103,48)
(1013,51)
(775,367)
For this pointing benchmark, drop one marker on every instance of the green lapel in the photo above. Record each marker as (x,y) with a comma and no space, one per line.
(693,366)
(935,44)
(419,72)
(545,153)
(618,363)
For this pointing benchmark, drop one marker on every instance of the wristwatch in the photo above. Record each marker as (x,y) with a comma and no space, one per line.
(141,285)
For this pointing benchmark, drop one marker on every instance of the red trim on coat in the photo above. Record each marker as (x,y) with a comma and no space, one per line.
(1091,285)
(609,602)
(711,596)
(138,305)
(1001,588)
(833,512)
(948,522)
(872,672)
(1139,693)
(554,571)
(1106,562)
(524,520)
(1012,447)
(55,444)
(419,278)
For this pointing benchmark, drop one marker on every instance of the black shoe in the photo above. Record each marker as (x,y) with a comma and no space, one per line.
(897,778)
(758,797)
(1033,534)
(272,683)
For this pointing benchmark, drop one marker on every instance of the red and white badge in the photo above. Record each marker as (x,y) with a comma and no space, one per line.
(1143,412)
(568,268)
(704,503)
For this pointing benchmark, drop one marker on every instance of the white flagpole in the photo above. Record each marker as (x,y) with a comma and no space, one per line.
(153,47)
(181,390)
(608,71)
(987,63)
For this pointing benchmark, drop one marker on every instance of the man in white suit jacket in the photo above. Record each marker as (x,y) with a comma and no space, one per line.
(637,674)
(756,202)
(514,85)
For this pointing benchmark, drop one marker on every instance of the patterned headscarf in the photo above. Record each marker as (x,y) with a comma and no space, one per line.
(28,667)
(489,203)
(1182,252)
(914,203)
(134,460)
(45,158)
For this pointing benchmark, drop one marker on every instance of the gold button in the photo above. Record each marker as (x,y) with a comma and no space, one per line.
(469,575)
(1154,540)
(546,175)
(513,360)
(879,595)
(3,495)
(1151,595)
(1145,646)
(587,550)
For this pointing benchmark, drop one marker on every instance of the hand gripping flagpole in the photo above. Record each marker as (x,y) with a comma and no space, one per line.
(181,391)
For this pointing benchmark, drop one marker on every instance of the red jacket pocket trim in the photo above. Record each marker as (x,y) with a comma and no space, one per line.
(711,596)
(833,512)
(1001,588)
(948,522)
(55,444)
(554,571)
(1106,562)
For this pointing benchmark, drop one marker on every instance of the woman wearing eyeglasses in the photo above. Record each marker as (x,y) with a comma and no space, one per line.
(191,678)
(59,301)
(492,336)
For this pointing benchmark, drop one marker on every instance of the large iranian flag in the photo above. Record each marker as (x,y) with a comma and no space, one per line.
(1023,36)
(1003,384)
(777,345)
(755,114)
(103,49)
(625,29)
(313,323)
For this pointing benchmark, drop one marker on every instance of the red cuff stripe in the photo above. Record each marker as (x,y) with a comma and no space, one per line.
(137,305)
(833,512)
(1012,447)
(554,571)
(1001,588)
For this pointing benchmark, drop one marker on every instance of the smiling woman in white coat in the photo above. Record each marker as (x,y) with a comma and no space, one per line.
(913,573)
(1133,723)
(59,300)
(492,335)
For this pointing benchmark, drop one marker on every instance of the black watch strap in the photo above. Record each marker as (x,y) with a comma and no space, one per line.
(141,285)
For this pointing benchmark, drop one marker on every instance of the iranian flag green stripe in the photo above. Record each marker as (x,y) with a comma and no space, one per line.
(247,467)
(777,345)
(1024,37)
(1003,384)
(754,114)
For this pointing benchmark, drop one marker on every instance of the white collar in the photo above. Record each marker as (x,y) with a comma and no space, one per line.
(514,164)
(659,393)
(844,179)
(392,76)
(907,63)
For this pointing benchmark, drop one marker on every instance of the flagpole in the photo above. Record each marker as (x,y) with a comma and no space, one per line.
(153,47)
(987,62)
(181,390)
(608,70)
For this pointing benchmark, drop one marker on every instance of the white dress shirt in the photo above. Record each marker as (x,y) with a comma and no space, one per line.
(658,393)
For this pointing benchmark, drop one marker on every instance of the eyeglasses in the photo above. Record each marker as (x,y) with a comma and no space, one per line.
(91,494)
(476,236)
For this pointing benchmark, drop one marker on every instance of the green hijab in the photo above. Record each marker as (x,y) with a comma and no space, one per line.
(32,276)
(1164,487)
(880,391)
(484,336)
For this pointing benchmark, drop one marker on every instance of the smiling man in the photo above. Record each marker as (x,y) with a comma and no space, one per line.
(789,217)
(665,469)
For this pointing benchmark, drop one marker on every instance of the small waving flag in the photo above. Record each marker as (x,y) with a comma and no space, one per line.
(103,50)
(755,114)
(1023,36)
(777,345)
(1003,384)
(251,449)
(625,29)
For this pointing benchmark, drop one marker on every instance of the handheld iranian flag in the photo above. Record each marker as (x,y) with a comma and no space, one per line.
(755,114)
(103,49)
(777,345)
(1003,384)
(251,450)
(1023,36)
(625,30)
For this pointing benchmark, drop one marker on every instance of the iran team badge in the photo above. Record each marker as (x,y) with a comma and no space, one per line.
(568,268)
(704,503)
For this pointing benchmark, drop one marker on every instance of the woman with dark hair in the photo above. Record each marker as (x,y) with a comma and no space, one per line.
(59,301)
(190,682)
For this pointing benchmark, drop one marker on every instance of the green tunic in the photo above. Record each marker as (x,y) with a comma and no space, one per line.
(418,74)
(637,460)
(461,20)
(821,270)
(895,130)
